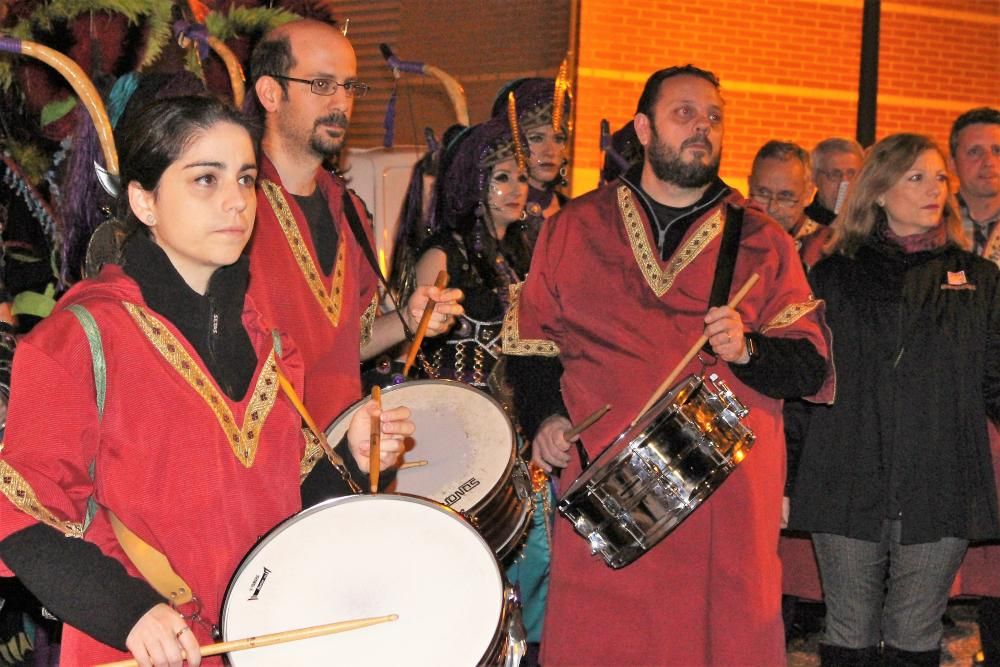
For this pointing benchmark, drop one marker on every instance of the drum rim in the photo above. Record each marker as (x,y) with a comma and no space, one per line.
(639,433)
(403,497)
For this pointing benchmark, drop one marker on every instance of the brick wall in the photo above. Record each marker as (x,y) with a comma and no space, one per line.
(789,68)
(482,43)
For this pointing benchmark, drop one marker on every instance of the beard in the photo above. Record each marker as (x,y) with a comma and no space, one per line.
(669,166)
(321,143)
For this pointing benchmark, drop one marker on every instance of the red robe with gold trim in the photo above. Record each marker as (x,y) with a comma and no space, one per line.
(323,315)
(165,464)
(620,320)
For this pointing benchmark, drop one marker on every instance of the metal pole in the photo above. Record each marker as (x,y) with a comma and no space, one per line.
(868,80)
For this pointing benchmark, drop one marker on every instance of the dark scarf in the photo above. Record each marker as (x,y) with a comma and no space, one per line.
(212,323)
(932,239)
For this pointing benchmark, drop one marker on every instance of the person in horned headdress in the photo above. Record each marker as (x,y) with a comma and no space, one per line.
(543,112)
(481,196)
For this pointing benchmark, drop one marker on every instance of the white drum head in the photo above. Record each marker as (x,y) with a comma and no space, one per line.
(366,556)
(462,433)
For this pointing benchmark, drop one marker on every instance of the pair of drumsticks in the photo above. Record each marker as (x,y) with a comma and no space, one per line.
(441,282)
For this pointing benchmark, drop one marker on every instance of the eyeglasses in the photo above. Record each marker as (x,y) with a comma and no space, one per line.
(838,175)
(765,197)
(327,87)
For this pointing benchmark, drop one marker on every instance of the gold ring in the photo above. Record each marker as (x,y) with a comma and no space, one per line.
(181,632)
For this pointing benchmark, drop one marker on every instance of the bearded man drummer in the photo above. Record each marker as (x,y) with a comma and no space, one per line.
(619,289)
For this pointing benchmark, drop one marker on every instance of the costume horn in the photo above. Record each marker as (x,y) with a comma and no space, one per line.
(559,95)
(515,131)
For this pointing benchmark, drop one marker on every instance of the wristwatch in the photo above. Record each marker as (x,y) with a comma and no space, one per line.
(752,350)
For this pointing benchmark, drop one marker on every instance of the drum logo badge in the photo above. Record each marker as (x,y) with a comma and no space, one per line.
(257,584)
(462,489)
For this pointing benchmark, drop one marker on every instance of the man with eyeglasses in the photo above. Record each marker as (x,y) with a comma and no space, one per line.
(835,163)
(780,182)
(309,274)
(974,144)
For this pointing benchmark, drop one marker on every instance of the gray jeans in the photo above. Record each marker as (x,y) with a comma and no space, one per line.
(886,591)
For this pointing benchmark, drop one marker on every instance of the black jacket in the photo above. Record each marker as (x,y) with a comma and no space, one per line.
(916,346)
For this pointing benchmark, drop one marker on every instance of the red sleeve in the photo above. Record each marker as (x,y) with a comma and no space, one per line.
(52,431)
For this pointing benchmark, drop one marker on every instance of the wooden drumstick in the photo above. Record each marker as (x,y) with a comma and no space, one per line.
(425,320)
(374,453)
(751,281)
(413,464)
(571,433)
(276,638)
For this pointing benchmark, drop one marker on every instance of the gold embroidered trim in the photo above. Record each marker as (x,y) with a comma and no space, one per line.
(313,453)
(368,321)
(18,491)
(808,227)
(658,279)
(512,343)
(791,313)
(331,301)
(243,440)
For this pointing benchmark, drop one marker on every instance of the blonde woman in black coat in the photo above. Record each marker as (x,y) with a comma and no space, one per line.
(895,478)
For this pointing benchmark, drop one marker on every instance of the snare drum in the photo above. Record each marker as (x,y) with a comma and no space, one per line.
(472,466)
(364,556)
(655,474)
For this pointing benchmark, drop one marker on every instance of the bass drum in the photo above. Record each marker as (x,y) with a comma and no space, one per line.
(364,556)
(472,465)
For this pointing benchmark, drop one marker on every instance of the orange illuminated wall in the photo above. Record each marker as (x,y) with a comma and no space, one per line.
(789,68)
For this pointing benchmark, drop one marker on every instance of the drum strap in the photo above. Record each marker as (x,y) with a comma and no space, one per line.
(354,221)
(728,249)
(151,563)
(338,463)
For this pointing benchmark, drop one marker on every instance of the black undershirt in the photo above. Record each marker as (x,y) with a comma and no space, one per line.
(324,233)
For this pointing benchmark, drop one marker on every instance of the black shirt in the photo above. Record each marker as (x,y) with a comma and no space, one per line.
(321,227)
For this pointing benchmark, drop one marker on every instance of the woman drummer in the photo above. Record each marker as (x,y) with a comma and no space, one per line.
(151,396)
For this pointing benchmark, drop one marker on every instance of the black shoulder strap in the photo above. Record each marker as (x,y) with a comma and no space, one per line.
(731,232)
(359,235)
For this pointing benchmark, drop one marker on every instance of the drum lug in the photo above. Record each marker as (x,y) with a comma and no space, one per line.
(522,480)
(597,543)
(726,395)
(471,518)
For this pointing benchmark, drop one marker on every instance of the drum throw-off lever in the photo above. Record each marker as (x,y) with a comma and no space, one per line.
(728,397)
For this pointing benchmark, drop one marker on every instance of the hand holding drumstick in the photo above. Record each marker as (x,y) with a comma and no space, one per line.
(425,321)
(551,444)
(391,425)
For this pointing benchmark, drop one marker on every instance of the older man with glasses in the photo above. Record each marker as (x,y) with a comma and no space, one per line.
(779,181)
(309,271)
(835,163)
